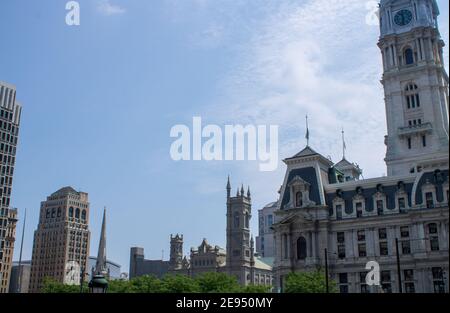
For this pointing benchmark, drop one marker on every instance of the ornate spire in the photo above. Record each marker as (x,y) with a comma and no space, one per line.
(228,187)
(101,266)
(242,190)
(248,192)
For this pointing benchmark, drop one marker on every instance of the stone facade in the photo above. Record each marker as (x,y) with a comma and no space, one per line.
(10,112)
(239,259)
(325,209)
(265,246)
(61,241)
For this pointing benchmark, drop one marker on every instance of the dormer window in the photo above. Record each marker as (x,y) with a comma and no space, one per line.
(299,193)
(299,199)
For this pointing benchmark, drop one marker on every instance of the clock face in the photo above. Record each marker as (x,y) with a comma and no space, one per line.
(403,17)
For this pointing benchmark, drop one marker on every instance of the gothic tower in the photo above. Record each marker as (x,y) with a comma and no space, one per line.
(176,252)
(239,250)
(415,85)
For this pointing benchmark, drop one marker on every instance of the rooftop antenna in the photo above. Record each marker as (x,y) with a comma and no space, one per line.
(19,286)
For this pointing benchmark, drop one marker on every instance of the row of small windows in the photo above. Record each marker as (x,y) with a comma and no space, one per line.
(412,96)
(408,281)
(423,142)
(77,213)
(405,243)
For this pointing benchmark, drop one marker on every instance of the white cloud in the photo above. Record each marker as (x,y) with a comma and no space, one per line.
(107,8)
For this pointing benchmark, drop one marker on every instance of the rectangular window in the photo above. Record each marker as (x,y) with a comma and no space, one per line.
(406,247)
(429,200)
(341,251)
(410,288)
(339,212)
(424,141)
(404,231)
(380,207)
(386,281)
(359,209)
(270,220)
(409,144)
(438,280)
(341,237)
(384,248)
(434,243)
(361,235)
(382,233)
(362,250)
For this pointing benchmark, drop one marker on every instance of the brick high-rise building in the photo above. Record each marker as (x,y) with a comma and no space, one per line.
(10,111)
(61,241)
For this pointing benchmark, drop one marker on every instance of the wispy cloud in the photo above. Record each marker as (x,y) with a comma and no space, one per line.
(107,8)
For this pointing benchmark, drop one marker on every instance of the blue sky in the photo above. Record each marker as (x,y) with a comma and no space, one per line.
(100,99)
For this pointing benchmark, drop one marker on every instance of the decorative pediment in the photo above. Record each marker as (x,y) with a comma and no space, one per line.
(298,181)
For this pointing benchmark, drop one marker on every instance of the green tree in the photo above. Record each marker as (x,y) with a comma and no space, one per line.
(146,284)
(308,282)
(179,284)
(217,283)
(255,289)
(52,286)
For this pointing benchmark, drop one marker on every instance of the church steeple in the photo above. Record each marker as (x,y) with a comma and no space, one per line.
(101,267)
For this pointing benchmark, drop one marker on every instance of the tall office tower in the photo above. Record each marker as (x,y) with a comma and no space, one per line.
(61,241)
(10,111)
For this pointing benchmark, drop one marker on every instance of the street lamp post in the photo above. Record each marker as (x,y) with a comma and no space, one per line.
(98,284)
(399,273)
(326,272)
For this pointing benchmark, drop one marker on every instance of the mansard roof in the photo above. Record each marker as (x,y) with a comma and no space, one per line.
(309,152)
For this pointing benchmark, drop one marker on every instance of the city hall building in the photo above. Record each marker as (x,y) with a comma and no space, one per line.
(326,208)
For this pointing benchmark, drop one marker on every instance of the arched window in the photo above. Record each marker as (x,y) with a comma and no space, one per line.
(236,220)
(77,213)
(409,56)
(58,214)
(83,215)
(301,248)
(70,212)
(299,199)
(247,221)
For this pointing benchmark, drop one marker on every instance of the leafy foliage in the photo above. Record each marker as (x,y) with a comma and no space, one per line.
(204,283)
(308,282)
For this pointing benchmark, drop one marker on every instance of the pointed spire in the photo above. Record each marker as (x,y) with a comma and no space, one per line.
(248,192)
(228,183)
(242,190)
(237,194)
(307,132)
(100,266)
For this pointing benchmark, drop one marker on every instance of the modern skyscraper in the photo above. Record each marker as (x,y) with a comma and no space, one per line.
(10,111)
(61,241)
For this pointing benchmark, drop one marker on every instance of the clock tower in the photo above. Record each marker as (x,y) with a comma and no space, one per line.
(415,85)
